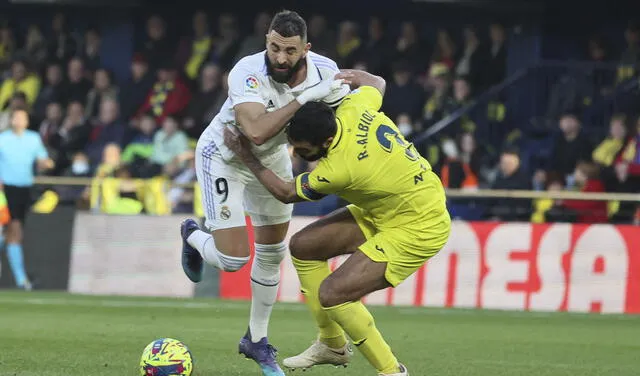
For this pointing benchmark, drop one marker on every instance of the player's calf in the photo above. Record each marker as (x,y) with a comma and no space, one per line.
(198,245)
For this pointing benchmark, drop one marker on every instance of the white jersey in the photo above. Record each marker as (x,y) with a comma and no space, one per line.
(250,82)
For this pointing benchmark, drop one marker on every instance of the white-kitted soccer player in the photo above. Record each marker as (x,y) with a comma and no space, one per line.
(265,90)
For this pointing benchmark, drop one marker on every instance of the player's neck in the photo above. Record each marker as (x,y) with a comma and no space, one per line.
(299,76)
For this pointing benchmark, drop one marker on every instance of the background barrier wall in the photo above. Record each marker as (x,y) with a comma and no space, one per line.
(510,266)
(128,255)
(47,248)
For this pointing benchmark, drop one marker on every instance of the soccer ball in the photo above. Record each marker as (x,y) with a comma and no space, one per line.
(166,357)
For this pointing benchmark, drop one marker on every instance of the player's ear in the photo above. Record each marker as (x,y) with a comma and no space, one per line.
(307,47)
(328,142)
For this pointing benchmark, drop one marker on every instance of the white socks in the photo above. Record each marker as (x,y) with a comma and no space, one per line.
(265,277)
(205,244)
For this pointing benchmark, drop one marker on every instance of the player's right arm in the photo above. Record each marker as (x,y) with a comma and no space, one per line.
(251,116)
(360,78)
(323,180)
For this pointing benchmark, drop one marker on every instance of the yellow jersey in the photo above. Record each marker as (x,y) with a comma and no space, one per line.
(371,165)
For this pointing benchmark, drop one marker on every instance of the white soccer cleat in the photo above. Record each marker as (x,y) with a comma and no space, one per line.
(403,372)
(319,353)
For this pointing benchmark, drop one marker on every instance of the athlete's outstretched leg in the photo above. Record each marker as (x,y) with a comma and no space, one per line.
(340,295)
(333,235)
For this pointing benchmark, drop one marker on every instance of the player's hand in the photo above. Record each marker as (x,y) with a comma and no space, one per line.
(237,142)
(321,90)
(348,76)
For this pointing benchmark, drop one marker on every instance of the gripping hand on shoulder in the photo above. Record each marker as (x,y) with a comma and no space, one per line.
(321,90)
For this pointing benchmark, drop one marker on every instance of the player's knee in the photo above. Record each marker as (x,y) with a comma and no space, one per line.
(299,247)
(329,295)
(270,255)
(232,263)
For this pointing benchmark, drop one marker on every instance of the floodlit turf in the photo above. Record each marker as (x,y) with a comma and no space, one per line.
(59,334)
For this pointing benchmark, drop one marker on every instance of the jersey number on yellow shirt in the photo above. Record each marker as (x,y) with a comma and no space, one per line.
(385,134)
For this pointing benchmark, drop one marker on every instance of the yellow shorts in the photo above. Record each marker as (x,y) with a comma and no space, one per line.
(404,251)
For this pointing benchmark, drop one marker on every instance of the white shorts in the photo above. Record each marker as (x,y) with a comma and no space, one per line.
(229,189)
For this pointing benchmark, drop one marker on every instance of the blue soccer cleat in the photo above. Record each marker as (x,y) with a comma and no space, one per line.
(262,353)
(191,260)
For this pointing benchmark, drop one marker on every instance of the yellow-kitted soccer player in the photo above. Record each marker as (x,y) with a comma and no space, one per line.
(397,219)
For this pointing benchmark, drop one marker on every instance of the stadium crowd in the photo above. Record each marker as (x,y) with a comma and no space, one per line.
(141,133)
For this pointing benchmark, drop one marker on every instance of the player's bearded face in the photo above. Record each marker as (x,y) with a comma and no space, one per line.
(283,72)
(285,56)
(308,152)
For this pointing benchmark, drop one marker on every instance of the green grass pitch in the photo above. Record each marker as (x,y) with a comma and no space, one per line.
(51,334)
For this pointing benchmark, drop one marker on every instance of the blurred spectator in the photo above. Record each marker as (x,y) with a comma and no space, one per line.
(109,162)
(403,95)
(601,79)
(227,41)
(194,50)
(497,64)
(135,91)
(139,150)
(72,136)
(201,108)
(472,62)
(103,88)
(511,176)
(376,51)
(7,46)
(169,95)
(445,50)
(169,146)
(461,98)
(106,129)
(550,210)
(35,48)
(631,55)
(587,181)
(609,149)
(348,46)
(222,94)
(254,42)
(21,80)
(78,85)
(51,124)
(626,167)
(467,164)
(79,168)
(438,88)
(62,45)
(405,125)
(54,90)
(158,47)
(322,38)
(410,48)
(571,147)
(18,102)
(90,53)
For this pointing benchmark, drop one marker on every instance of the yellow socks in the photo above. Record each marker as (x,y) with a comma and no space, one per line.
(356,320)
(311,274)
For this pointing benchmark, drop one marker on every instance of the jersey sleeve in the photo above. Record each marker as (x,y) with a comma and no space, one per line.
(366,97)
(244,85)
(325,179)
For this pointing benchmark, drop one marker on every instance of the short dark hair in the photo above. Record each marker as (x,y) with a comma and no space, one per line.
(314,123)
(289,24)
